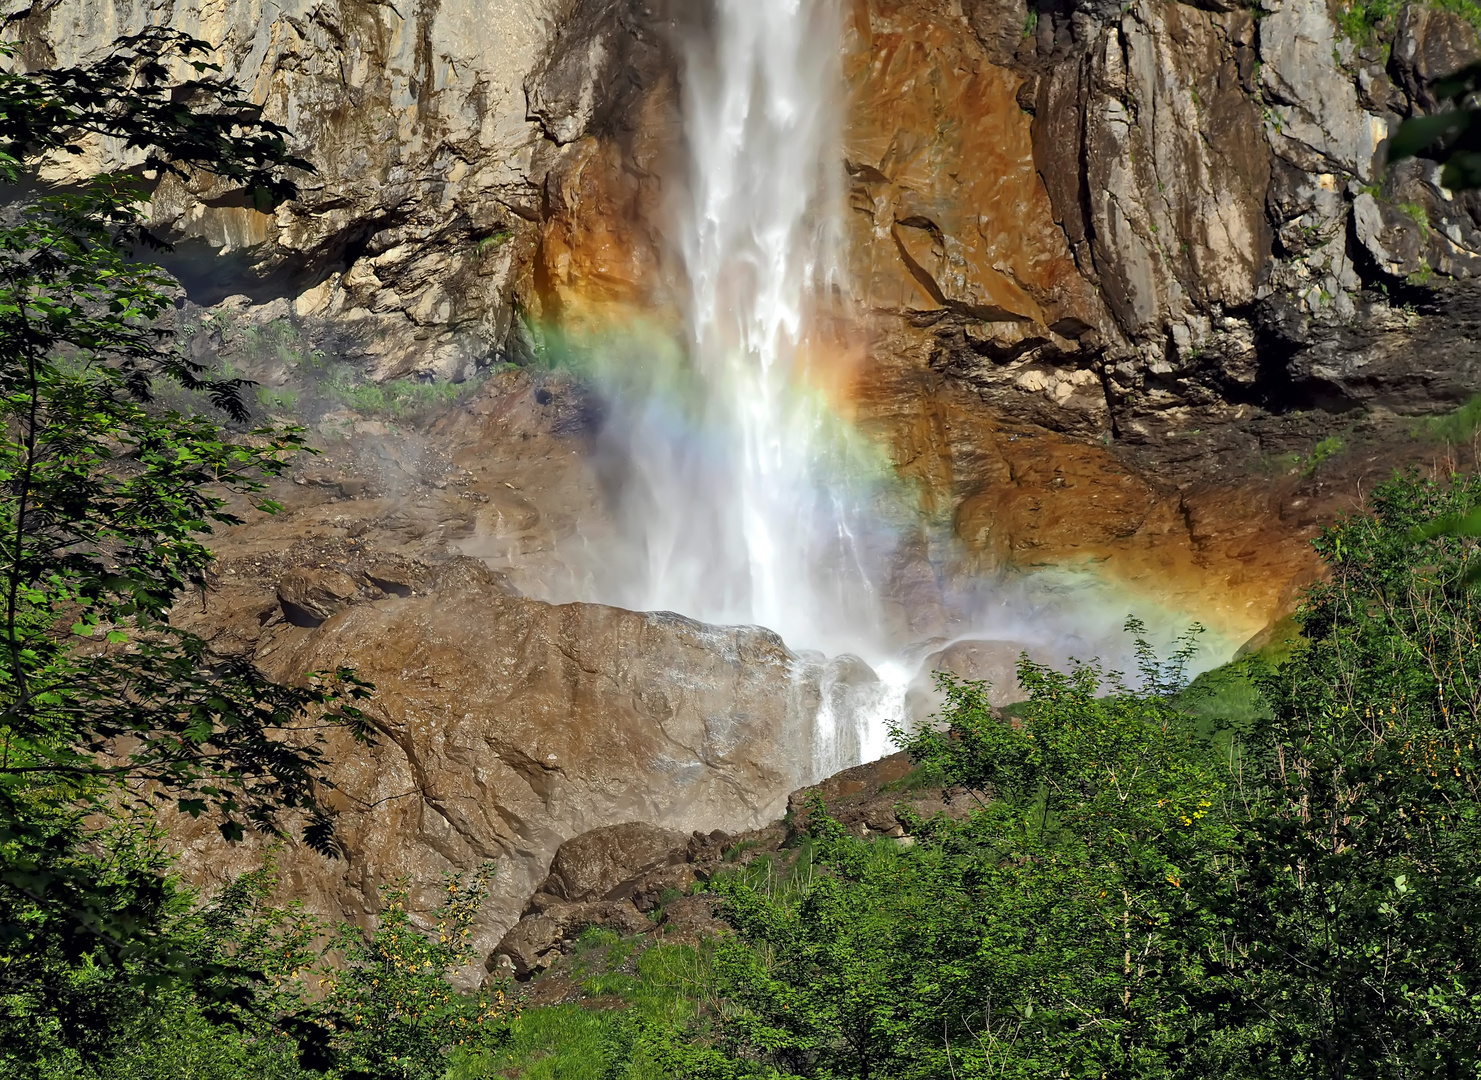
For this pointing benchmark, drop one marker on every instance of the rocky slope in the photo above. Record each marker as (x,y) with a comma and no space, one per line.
(503,725)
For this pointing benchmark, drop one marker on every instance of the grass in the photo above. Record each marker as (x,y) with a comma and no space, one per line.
(1328,448)
(918,778)
(398,399)
(1459,427)
(1371,22)
(314,383)
(660,984)
(1223,700)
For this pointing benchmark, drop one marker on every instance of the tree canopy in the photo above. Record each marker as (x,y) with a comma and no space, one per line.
(106,500)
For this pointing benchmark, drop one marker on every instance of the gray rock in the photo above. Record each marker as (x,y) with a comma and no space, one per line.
(1318,121)
(414,116)
(995,662)
(1430,44)
(649,890)
(1393,237)
(591,866)
(463,573)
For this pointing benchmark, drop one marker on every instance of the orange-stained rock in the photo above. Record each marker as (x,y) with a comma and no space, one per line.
(949,210)
(1014,498)
(603,259)
(593,252)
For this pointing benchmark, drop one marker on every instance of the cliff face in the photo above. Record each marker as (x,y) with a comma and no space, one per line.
(405,239)
(503,725)
(1122,273)
(1102,214)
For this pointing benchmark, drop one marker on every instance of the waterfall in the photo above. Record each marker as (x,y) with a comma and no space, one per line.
(745,497)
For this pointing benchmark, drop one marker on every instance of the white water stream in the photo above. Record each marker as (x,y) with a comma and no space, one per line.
(740,493)
(744,497)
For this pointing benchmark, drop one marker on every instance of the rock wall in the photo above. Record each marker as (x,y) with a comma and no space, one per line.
(1123,267)
(1115,209)
(503,725)
(1215,178)
(410,234)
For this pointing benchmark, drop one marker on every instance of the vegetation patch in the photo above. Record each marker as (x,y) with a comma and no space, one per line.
(1458,428)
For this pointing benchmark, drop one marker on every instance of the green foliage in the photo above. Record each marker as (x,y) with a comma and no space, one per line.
(388,1004)
(1372,22)
(1459,427)
(1029,940)
(104,499)
(1344,909)
(277,342)
(134,95)
(284,999)
(1223,701)
(92,1016)
(397,399)
(492,242)
(1294,898)
(635,988)
(1367,21)
(316,385)
(1323,451)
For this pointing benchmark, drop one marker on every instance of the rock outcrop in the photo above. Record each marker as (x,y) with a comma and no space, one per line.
(880,798)
(504,726)
(409,237)
(605,862)
(1100,214)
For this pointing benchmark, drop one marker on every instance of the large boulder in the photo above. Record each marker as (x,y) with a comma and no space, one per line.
(506,726)
(535,941)
(992,662)
(309,595)
(594,865)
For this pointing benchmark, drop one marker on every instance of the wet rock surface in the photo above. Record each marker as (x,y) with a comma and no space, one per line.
(504,726)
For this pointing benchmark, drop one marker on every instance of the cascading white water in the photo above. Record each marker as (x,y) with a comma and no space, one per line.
(746,504)
(738,492)
(744,498)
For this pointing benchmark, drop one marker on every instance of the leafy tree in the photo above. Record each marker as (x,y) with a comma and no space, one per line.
(279,981)
(104,501)
(388,1004)
(1297,898)
(1451,136)
(1343,916)
(1033,939)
